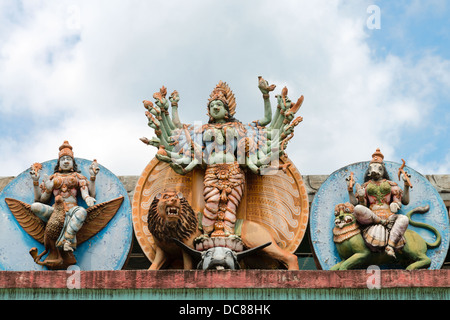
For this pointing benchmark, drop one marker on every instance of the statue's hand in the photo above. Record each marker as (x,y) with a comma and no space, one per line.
(148,104)
(350,183)
(394,206)
(90,201)
(93,168)
(149,142)
(264,86)
(160,98)
(279,100)
(284,102)
(34,174)
(163,158)
(145,140)
(406,179)
(153,122)
(162,103)
(178,168)
(174,98)
(360,192)
(288,104)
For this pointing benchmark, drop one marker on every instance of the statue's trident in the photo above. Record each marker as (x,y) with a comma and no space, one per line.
(405,174)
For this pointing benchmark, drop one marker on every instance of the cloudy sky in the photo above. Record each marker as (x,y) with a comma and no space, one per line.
(374,74)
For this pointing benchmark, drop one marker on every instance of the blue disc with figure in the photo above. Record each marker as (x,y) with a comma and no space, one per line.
(333,191)
(105,237)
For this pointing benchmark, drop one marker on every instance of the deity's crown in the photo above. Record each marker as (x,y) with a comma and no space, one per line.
(223,93)
(218,94)
(65,150)
(377,157)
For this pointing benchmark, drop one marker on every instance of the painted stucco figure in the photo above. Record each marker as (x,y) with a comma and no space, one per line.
(372,222)
(224,147)
(371,229)
(67,183)
(64,224)
(348,236)
(377,203)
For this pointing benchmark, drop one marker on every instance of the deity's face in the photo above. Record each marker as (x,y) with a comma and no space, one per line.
(376,171)
(217,110)
(66,163)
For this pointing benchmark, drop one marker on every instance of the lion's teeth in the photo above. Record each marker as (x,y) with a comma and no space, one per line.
(171,211)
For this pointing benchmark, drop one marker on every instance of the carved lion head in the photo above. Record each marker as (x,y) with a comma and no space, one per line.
(171,216)
(343,213)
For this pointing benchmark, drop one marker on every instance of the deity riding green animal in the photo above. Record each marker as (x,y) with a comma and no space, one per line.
(356,254)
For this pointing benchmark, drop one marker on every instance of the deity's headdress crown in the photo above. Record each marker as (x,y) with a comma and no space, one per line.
(218,94)
(65,150)
(223,93)
(377,157)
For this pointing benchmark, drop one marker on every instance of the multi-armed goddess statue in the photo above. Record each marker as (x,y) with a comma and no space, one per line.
(224,147)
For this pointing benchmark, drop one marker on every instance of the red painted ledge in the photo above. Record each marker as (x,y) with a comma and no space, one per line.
(178,279)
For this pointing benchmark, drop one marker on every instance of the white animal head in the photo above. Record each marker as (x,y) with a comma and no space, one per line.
(219,258)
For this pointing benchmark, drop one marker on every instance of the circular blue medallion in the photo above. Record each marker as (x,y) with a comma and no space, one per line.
(334,191)
(106,250)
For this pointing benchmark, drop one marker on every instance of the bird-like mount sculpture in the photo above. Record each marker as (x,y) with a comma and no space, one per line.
(65,224)
(47,233)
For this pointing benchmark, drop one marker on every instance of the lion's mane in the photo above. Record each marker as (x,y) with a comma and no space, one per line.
(182,229)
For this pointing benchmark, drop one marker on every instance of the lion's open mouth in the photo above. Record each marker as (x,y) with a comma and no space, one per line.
(172,211)
(340,223)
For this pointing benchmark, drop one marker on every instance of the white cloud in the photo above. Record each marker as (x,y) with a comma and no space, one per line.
(80,70)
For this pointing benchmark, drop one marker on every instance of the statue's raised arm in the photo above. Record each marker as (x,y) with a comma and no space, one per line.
(173,139)
(265,88)
(174,98)
(272,136)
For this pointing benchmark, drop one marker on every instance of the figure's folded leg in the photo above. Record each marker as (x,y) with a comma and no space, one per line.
(41,210)
(75,218)
(365,216)
(398,229)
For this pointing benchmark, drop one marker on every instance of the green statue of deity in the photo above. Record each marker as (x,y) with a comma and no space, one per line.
(225,147)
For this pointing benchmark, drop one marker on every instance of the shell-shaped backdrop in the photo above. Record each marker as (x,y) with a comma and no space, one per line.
(106,250)
(334,191)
